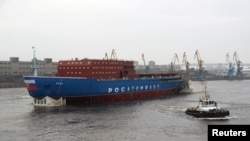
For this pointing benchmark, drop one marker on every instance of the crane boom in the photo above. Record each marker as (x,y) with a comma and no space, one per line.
(143,59)
(200,62)
(172,64)
(175,58)
(238,64)
(113,55)
(236,57)
(185,61)
(106,56)
(198,57)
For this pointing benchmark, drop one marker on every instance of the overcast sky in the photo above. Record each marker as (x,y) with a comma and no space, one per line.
(65,29)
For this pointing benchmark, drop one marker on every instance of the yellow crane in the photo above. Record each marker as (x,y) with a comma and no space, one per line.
(175,58)
(198,57)
(113,55)
(185,61)
(200,62)
(172,64)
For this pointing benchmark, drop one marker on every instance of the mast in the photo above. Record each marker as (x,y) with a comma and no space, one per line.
(34,65)
(205,90)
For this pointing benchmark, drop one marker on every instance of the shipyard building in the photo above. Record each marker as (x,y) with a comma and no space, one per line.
(14,69)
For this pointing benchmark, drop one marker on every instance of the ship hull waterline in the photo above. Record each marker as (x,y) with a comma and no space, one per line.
(116,97)
(99,91)
(209,114)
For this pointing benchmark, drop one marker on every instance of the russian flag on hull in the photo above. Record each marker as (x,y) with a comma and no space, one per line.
(30,84)
(32,88)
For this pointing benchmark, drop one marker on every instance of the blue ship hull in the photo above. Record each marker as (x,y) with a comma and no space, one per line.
(89,91)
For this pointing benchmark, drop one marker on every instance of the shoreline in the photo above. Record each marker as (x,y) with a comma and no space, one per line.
(12,85)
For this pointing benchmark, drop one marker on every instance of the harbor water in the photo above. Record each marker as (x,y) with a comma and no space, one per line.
(157,119)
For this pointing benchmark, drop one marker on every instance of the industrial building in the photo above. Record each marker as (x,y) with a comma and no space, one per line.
(14,67)
(12,71)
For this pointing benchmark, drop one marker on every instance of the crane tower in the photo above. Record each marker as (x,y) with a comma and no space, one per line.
(172,64)
(200,64)
(113,55)
(239,65)
(185,61)
(231,68)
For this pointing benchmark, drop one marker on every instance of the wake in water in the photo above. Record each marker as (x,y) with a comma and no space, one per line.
(191,89)
(219,118)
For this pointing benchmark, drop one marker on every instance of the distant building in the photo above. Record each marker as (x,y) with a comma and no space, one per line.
(14,67)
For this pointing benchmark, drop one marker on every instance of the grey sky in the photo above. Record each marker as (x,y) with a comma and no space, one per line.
(65,29)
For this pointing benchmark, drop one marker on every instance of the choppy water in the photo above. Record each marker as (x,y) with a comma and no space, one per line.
(158,119)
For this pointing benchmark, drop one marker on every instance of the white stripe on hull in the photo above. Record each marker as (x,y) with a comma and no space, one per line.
(29,81)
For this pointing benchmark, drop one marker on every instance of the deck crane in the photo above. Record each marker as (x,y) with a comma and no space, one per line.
(239,65)
(172,64)
(185,61)
(200,64)
(113,55)
(231,69)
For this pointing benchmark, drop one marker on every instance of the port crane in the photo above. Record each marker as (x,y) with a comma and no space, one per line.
(106,56)
(185,61)
(239,65)
(231,68)
(200,64)
(113,55)
(172,64)
(144,62)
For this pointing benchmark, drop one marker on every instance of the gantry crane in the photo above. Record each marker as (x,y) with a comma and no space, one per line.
(200,64)
(172,64)
(239,65)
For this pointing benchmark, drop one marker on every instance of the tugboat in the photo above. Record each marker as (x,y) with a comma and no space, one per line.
(207,108)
